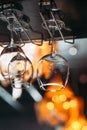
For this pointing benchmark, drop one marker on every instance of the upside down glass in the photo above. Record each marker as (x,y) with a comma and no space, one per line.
(20,71)
(13,61)
(52,69)
(6,55)
(52,72)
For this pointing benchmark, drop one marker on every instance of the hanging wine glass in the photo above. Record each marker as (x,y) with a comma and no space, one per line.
(52,70)
(10,51)
(20,73)
(17,66)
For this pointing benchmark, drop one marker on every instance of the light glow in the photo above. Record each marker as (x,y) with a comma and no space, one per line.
(50,106)
(62,97)
(66,105)
(55,98)
(73,50)
(84,128)
(73,103)
(76,125)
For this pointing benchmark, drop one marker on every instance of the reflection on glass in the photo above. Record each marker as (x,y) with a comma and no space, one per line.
(6,55)
(20,71)
(52,72)
(17,66)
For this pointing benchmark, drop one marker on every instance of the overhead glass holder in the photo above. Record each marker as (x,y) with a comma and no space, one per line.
(50,17)
(23,29)
(21,25)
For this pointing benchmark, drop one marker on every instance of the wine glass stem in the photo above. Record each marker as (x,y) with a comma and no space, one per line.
(52,46)
(11,30)
(12,40)
(11,20)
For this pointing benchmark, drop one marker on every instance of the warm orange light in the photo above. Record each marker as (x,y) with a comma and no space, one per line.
(55,98)
(66,105)
(76,125)
(50,106)
(84,128)
(62,97)
(26,76)
(18,66)
(34,53)
(73,103)
(47,70)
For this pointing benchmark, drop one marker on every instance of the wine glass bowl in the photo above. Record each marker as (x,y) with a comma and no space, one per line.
(13,61)
(52,72)
(17,66)
(6,55)
(20,71)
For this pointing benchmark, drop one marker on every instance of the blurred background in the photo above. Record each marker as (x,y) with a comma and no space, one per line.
(32,108)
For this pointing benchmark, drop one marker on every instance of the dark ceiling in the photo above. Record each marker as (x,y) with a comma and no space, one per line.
(74,14)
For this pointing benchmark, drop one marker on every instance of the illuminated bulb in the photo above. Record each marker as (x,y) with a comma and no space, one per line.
(76,125)
(50,106)
(62,97)
(72,50)
(66,105)
(55,98)
(73,103)
(18,66)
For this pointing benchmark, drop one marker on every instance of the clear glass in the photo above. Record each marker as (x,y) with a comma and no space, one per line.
(20,71)
(52,72)
(13,61)
(7,54)
(17,66)
(52,69)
